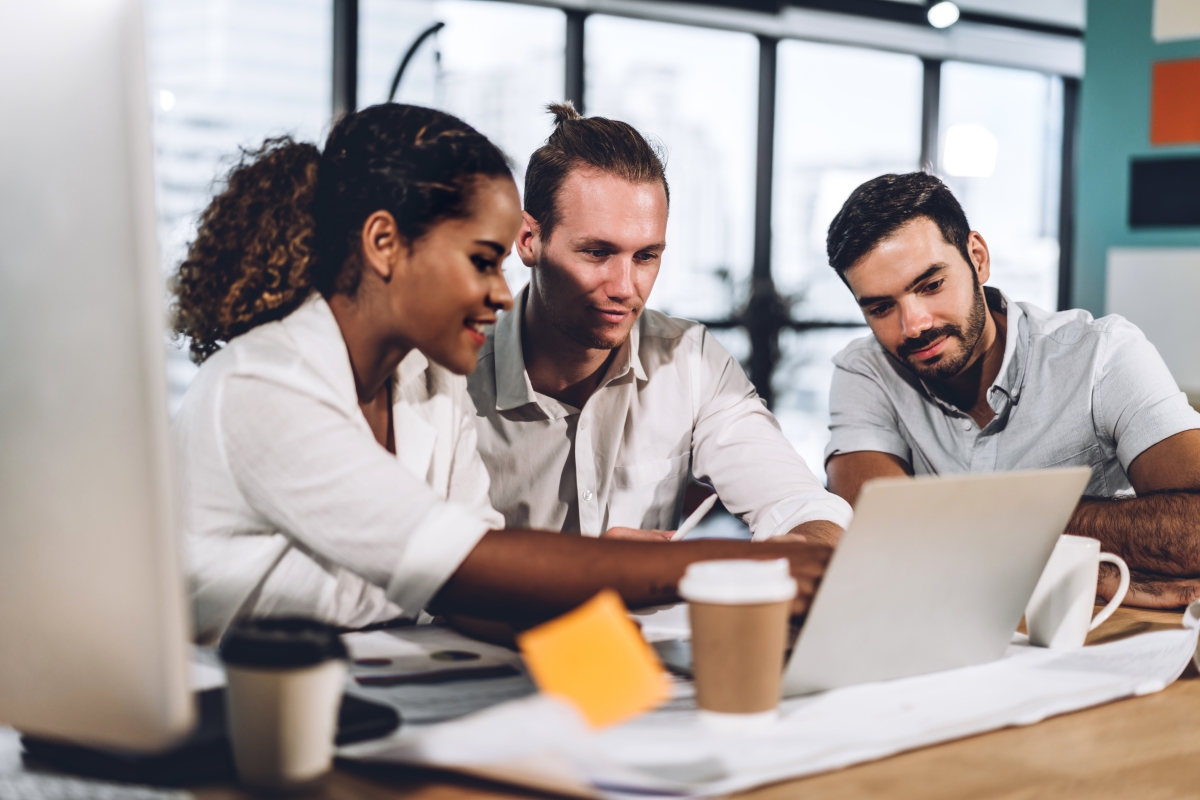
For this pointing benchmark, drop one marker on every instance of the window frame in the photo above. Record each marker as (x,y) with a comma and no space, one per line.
(765,314)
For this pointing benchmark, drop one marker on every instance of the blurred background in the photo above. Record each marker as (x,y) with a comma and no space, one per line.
(769,113)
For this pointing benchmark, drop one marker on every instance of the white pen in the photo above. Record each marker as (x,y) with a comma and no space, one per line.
(694,518)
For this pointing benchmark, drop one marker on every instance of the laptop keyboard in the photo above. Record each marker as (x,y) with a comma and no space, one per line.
(32,786)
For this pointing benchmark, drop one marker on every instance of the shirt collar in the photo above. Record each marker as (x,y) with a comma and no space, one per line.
(411,366)
(319,339)
(628,357)
(513,388)
(1016,344)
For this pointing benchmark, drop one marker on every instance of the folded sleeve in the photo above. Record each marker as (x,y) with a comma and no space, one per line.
(738,447)
(861,415)
(316,474)
(1135,398)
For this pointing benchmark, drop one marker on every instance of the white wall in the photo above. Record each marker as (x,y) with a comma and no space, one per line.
(1158,289)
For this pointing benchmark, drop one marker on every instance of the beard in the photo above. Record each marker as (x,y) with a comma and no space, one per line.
(943,366)
(554,290)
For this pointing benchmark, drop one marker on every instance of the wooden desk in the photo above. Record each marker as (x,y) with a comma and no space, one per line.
(1144,747)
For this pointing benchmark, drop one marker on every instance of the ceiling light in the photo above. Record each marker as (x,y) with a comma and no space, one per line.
(943,15)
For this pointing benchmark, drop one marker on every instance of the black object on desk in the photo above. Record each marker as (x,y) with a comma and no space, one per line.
(205,756)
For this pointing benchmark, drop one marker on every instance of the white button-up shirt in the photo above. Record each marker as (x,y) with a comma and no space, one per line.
(291,506)
(673,400)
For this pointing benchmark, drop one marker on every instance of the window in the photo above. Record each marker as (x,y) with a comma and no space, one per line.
(495,65)
(693,90)
(1001,151)
(225,75)
(843,116)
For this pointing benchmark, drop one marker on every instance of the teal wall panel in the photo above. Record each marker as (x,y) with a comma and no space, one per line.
(1114,127)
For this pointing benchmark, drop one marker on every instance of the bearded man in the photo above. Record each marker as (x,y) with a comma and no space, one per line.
(592,411)
(957,379)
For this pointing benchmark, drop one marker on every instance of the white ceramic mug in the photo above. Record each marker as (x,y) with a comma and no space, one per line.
(1059,613)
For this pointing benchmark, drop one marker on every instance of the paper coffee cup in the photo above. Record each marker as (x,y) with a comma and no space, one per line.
(739,612)
(284,690)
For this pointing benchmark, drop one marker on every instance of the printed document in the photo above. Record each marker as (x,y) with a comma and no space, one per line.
(539,742)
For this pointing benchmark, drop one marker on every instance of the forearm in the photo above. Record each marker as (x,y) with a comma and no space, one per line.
(756,471)
(819,531)
(517,575)
(848,472)
(1157,533)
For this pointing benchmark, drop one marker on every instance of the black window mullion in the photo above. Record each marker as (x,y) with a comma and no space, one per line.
(766,313)
(1066,199)
(574,62)
(931,101)
(345,57)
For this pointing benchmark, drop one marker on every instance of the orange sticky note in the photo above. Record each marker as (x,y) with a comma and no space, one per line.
(1175,102)
(596,658)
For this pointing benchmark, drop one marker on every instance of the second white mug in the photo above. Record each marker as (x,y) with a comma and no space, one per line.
(1059,613)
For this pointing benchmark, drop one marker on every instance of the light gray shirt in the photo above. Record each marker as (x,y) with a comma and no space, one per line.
(672,400)
(1072,391)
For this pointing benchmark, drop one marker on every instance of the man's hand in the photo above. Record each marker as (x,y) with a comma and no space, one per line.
(637,535)
(1156,532)
(808,562)
(1148,589)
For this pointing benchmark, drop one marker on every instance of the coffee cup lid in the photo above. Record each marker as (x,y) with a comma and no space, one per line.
(738,581)
(280,643)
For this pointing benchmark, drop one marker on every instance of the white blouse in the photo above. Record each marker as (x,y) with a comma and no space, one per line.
(291,506)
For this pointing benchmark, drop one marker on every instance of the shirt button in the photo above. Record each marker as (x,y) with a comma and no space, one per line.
(587,495)
(966,425)
(583,424)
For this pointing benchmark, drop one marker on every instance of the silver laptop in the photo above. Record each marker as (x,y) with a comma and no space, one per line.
(934,573)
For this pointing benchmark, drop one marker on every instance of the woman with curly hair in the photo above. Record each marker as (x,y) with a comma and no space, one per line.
(327,455)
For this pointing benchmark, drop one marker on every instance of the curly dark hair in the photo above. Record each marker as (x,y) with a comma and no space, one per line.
(290,217)
(251,259)
(879,207)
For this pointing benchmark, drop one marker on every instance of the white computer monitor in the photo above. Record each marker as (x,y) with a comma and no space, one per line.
(93,616)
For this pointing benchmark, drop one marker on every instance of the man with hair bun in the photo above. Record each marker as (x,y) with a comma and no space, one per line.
(592,410)
(957,378)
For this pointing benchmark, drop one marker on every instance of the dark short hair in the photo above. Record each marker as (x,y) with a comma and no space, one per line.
(879,207)
(607,145)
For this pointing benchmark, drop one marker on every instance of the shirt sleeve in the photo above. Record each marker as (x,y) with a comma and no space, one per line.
(737,446)
(312,472)
(861,416)
(1135,399)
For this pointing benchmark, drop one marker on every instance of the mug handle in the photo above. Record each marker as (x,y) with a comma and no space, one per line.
(1107,611)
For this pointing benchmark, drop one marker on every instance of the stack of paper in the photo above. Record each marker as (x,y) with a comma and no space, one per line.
(539,742)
